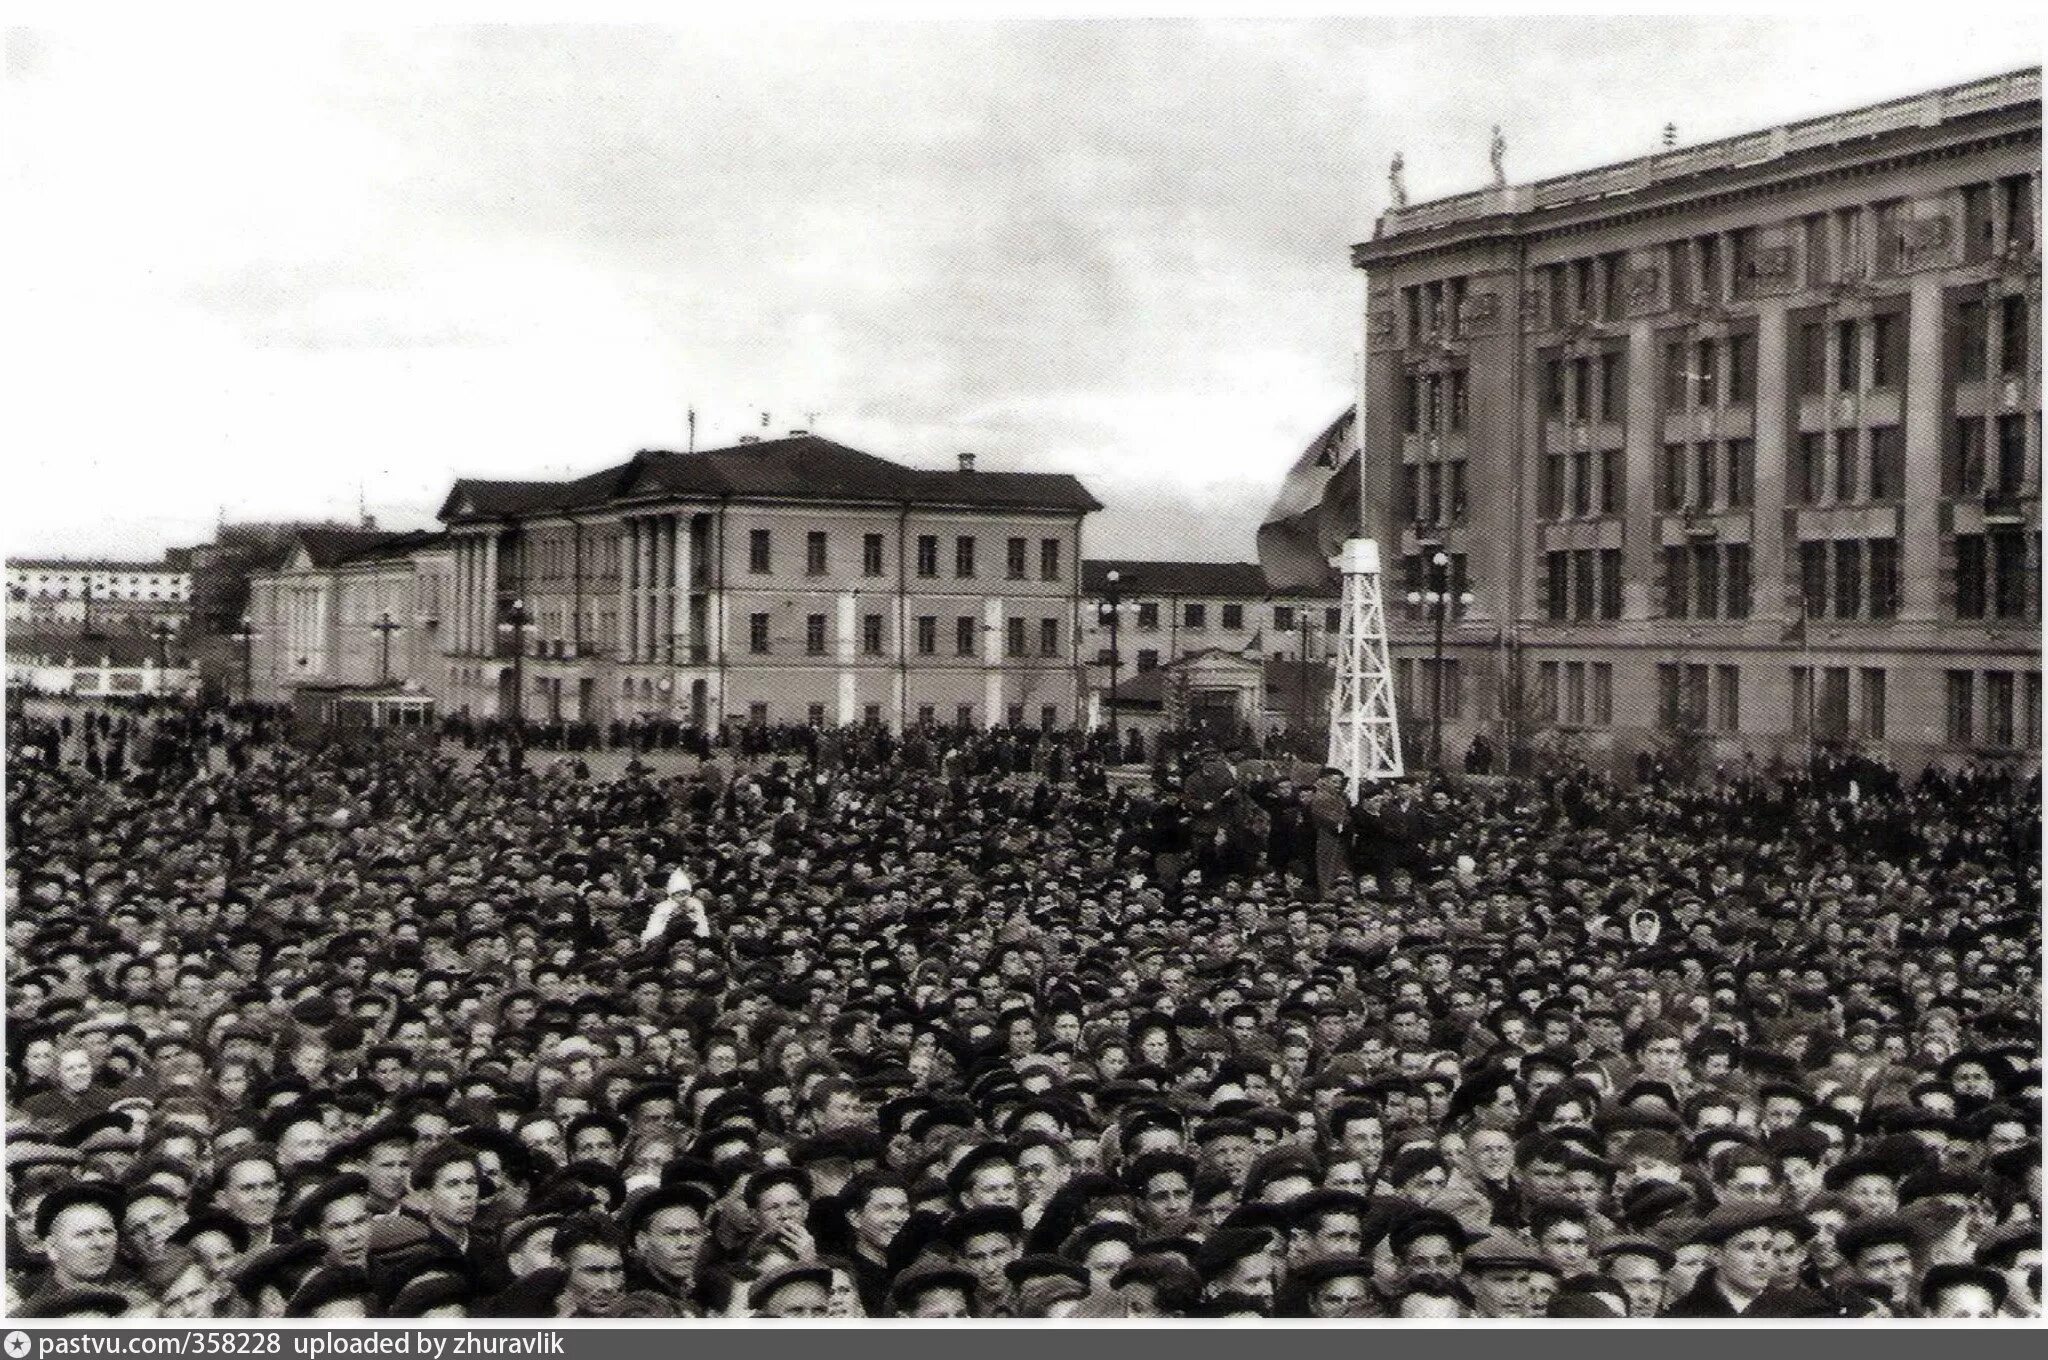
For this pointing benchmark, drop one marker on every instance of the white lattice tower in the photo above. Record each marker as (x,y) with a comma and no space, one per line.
(1365,737)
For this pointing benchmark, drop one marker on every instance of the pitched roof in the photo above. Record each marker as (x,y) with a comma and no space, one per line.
(331,547)
(801,467)
(1204,580)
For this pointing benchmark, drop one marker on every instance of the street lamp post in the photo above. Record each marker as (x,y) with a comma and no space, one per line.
(1112,609)
(516,619)
(245,636)
(385,628)
(1438,598)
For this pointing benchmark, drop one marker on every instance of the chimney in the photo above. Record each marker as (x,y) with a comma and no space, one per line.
(967,462)
(798,434)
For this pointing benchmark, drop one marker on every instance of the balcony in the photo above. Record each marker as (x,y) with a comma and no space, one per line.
(2002,506)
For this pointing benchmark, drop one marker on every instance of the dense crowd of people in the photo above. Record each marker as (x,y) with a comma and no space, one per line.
(957,1025)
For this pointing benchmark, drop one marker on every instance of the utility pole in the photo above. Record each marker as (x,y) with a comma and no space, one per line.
(516,619)
(385,628)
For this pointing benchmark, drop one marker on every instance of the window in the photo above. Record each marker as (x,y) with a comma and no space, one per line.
(1884,578)
(757,634)
(1668,702)
(1810,472)
(1582,388)
(1741,369)
(1048,559)
(1575,692)
(871,714)
(1557,585)
(1962,472)
(1433,387)
(1706,457)
(1610,481)
(1433,500)
(1582,483)
(814,635)
(1971,581)
(1019,557)
(871,555)
(1411,403)
(2012,455)
(1194,616)
(1546,691)
(816,716)
(1708,355)
(815,553)
(2033,708)
(1148,659)
(1553,486)
(1048,716)
(1603,694)
(1962,707)
(1148,616)
(1674,477)
(1283,618)
(927,634)
(1048,637)
(1802,700)
(757,714)
(2009,574)
(2012,336)
(1848,578)
(1461,398)
(1330,614)
(760,551)
(1455,470)
(965,630)
(2017,193)
(1978,227)
(1677,577)
(1973,339)
(1741,473)
(1812,359)
(1833,719)
(1014,630)
(871,634)
(1233,616)
(1887,350)
(1706,579)
(1585,591)
(1813,579)
(1677,380)
(1553,388)
(1845,465)
(963,557)
(1610,583)
(1738,598)
(1848,357)
(1728,698)
(1998,708)
(1871,688)
(963,715)
(1887,463)
(927,555)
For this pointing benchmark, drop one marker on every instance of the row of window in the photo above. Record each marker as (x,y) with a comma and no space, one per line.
(1974,358)
(1432,492)
(1017,638)
(1576,693)
(1587,387)
(1992,575)
(1830,356)
(1581,584)
(758,714)
(1981,707)
(1454,581)
(1436,402)
(1964,471)
(1420,689)
(1194,615)
(874,555)
(1708,475)
(1847,466)
(1838,578)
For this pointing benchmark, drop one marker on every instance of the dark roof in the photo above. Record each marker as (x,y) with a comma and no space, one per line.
(122,649)
(331,547)
(88,564)
(802,467)
(1205,580)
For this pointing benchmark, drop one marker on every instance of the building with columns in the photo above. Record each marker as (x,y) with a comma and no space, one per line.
(348,607)
(1736,443)
(775,581)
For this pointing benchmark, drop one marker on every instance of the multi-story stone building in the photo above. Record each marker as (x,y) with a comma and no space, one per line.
(1172,609)
(1739,439)
(786,580)
(97,595)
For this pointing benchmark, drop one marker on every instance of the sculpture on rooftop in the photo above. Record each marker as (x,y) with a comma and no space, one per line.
(1499,153)
(1397,185)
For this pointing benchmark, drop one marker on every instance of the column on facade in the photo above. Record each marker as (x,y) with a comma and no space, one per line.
(1920,526)
(629,570)
(993,642)
(490,594)
(1645,438)
(849,627)
(1772,455)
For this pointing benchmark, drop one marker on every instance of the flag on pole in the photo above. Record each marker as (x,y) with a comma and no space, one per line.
(1316,510)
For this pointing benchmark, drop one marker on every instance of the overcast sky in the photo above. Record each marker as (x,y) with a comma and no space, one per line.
(251,272)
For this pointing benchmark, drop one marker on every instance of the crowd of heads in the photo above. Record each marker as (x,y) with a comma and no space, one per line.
(908,1028)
